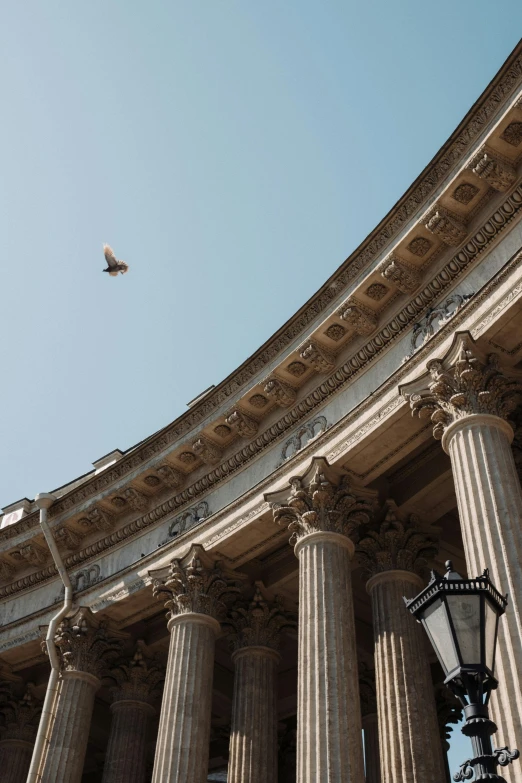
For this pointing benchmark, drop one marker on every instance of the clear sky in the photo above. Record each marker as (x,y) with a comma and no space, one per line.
(233,153)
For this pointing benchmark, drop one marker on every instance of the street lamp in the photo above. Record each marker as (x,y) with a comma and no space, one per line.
(461,619)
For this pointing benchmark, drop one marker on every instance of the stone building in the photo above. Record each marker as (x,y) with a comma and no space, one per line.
(238,576)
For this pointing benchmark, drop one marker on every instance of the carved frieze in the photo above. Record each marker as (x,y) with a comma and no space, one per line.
(303,436)
(400,273)
(447,226)
(321,360)
(189,518)
(358,317)
(242,423)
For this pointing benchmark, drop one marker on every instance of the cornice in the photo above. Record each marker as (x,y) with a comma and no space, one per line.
(416,198)
(357,363)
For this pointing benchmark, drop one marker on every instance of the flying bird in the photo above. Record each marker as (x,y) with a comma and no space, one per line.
(113,264)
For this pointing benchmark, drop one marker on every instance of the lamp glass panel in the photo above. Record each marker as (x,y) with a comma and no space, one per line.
(437,624)
(465,613)
(491,633)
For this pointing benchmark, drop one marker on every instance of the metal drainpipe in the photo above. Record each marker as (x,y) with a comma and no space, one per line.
(44,500)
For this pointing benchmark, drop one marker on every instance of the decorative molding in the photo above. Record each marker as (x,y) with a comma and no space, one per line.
(96,519)
(31,553)
(87,577)
(170,476)
(258,511)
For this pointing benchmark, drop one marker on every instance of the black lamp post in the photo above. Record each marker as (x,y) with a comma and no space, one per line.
(461,618)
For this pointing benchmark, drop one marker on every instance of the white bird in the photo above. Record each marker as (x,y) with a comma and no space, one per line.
(113,264)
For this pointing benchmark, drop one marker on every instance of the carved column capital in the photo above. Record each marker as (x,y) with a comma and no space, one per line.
(21,715)
(259,623)
(87,644)
(196,585)
(463,383)
(395,544)
(317,502)
(139,678)
(405,276)
(498,173)
(360,318)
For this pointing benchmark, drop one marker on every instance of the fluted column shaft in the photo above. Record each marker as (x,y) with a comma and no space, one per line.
(409,742)
(126,758)
(253,736)
(184,727)
(70,732)
(329,740)
(15,759)
(490,508)
(372,762)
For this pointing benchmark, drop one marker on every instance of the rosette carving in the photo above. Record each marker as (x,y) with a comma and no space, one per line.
(317,502)
(258,624)
(465,382)
(198,586)
(392,544)
(87,644)
(137,679)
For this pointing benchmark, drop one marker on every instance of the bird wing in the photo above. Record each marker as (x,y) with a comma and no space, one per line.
(111,259)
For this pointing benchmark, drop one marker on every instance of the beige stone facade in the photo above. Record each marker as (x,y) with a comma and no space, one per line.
(238,576)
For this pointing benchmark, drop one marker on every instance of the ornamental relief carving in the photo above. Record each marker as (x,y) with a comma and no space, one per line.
(303,436)
(189,518)
(435,319)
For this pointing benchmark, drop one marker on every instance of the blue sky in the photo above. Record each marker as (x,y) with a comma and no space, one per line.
(233,153)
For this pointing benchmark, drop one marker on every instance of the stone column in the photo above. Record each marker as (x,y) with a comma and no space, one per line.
(372,762)
(86,646)
(392,553)
(253,735)
(196,588)
(469,400)
(132,706)
(322,514)
(449,710)
(18,735)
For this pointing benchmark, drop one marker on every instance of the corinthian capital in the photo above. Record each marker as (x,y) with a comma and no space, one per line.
(196,584)
(138,678)
(87,644)
(395,544)
(21,716)
(259,623)
(466,381)
(318,502)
